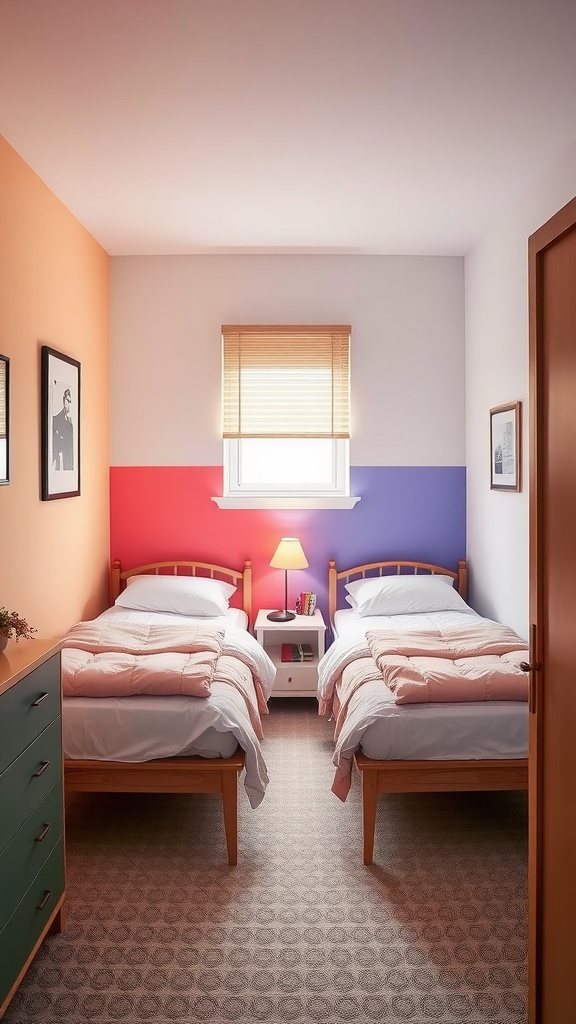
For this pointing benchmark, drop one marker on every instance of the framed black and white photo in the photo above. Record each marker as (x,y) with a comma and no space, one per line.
(60,425)
(4,420)
(505,447)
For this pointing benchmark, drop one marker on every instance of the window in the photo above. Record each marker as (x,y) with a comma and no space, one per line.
(286,415)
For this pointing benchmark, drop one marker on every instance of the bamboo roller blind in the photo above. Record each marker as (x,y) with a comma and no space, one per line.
(286,381)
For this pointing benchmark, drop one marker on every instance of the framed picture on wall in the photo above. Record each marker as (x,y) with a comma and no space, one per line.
(4,420)
(60,414)
(505,448)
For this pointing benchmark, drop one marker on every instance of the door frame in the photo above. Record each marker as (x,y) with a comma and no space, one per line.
(562,221)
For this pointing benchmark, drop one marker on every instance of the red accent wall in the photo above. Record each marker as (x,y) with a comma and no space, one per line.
(165,512)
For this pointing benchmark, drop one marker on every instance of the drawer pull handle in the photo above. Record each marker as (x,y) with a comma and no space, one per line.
(41,770)
(44,900)
(42,697)
(42,835)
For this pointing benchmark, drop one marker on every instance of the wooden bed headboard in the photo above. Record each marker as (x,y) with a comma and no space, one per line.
(242,579)
(372,569)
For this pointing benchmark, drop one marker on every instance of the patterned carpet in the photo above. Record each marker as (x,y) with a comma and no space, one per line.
(160,929)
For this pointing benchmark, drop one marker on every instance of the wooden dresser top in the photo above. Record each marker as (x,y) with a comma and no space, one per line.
(18,659)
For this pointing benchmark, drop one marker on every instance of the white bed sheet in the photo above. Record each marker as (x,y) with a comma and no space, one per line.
(384,730)
(141,728)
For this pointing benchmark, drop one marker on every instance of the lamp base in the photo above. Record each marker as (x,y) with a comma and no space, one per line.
(284,616)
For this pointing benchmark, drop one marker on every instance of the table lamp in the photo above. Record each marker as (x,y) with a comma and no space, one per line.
(288,555)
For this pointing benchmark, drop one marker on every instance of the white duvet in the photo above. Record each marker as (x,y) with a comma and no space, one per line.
(141,728)
(385,730)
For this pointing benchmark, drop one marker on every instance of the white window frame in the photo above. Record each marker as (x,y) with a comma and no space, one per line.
(237,495)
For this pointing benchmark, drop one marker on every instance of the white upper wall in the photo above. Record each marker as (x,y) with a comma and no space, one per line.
(407,316)
(496,373)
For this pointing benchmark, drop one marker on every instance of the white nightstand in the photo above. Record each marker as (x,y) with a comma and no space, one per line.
(293,678)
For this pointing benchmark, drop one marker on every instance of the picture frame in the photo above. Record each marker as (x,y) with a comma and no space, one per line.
(60,413)
(506,447)
(4,420)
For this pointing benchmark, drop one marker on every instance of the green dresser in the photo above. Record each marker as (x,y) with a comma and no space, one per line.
(32,875)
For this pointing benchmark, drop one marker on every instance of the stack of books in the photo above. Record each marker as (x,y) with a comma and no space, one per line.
(305,604)
(297,652)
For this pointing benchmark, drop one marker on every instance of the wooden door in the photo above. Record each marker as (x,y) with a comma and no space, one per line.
(552,843)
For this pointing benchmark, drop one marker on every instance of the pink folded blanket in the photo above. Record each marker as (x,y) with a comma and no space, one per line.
(471,663)
(107,659)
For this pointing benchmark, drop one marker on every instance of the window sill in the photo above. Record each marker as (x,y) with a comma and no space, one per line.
(310,502)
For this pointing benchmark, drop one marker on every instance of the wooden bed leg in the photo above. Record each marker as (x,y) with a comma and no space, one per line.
(369,801)
(230,805)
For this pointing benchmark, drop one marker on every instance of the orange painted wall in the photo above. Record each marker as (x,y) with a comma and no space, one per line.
(54,290)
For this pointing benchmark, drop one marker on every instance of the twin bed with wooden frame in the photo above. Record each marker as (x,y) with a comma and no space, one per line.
(398,775)
(178,774)
(380,774)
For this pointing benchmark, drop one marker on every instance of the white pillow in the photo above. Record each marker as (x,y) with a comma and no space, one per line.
(398,595)
(181,595)
(408,579)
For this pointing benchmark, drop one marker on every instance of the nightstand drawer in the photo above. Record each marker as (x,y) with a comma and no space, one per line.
(22,931)
(26,709)
(27,781)
(26,852)
(295,678)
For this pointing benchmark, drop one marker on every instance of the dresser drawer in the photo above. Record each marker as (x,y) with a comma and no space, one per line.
(22,931)
(28,779)
(26,852)
(26,709)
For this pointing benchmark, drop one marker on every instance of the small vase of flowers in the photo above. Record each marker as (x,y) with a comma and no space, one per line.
(13,625)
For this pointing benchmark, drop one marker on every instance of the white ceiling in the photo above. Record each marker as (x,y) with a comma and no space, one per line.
(352,126)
